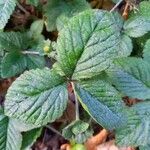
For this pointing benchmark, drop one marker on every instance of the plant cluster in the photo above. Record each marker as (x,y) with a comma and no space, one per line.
(101,55)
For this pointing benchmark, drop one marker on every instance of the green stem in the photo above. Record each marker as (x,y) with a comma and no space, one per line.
(117,4)
(54,130)
(76,102)
(30,52)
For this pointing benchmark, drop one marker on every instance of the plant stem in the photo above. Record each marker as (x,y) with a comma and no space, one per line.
(117,4)
(76,102)
(30,52)
(54,130)
(22,9)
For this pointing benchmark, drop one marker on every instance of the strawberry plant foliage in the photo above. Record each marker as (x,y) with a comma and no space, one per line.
(93,54)
(6,9)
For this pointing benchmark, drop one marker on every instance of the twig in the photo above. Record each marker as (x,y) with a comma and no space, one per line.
(22,9)
(54,130)
(30,52)
(117,4)
(125,12)
(76,102)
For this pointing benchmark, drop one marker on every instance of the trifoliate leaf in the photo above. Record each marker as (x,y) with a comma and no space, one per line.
(15,61)
(146,51)
(62,10)
(137,130)
(102,102)
(132,78)
(78,131)
(10,137)
(87,45)
(37,97)
(6,9)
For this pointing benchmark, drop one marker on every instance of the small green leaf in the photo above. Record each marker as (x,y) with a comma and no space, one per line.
(36,28)
(86,50)
(146,51)
(137,130)
(29,138)
(37,97)
(14,41)
(6,9)
(13,64)
(132,77)
(56,9)
(78,131)
(137,26)
(102,102)
(10,137)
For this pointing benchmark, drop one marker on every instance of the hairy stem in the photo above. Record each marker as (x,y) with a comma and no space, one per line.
(117,4)
(30,52)
(76,102)
(54,130)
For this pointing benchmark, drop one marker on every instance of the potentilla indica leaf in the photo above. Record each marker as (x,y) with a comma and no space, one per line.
(6,9)
(37,97)
(10,137)
(137,130)
(88,43)
(102,102)
(14,61)
(138,23)
(132,77)
(58,12)
(78,131)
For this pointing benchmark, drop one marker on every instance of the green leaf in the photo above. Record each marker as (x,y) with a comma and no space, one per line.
(146,51)
(37,97)
(144,7)
(6,9)
(137,130)
(36,28)
(102,102)
(138,23)
(86,50)
(132,78)
(29,138)
(14,41)
(137,26)
(147,147)
(10,137)
(13,64)
(126,46)
(77,131)
(35,61)
(56,9)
